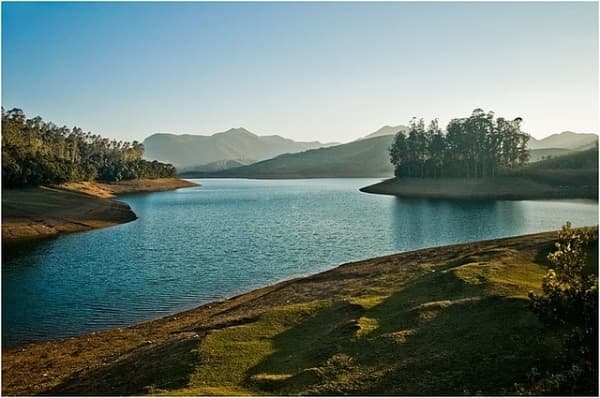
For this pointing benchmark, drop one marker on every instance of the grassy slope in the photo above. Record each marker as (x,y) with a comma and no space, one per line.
(364,158)
(536,155)
(448,320)
(570,176)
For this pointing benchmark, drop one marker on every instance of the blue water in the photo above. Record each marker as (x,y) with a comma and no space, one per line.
(195,245)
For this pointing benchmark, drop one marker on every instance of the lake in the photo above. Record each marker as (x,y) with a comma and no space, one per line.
(229,236)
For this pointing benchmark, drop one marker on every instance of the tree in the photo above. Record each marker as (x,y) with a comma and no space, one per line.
(473,147)
(35,152)
(437,148)
(398,152)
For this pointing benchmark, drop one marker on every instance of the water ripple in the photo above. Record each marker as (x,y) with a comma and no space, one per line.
(195,245)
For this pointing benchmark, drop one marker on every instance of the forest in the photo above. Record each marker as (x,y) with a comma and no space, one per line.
(480,145)
(36,152)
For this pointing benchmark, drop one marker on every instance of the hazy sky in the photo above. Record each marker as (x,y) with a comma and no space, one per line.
(308,71)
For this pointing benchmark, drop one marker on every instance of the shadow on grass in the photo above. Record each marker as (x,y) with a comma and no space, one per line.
(439,335)
(160,367)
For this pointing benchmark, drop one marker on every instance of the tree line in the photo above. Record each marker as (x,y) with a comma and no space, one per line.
(476,146)
(36,152)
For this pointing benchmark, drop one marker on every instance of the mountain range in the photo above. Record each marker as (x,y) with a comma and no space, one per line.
(236,145)
(565,140)
(362,158)
(240,153)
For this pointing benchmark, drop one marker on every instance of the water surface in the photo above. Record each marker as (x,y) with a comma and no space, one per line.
(226,237)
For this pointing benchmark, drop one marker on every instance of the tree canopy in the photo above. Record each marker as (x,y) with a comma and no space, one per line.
(476,146)
(36,152)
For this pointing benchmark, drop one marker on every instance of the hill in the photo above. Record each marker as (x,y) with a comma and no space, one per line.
(576,171)
(363,158)
(214,166)
(413,323)
(565,140)
(587,159)
(185,151)
(535,155)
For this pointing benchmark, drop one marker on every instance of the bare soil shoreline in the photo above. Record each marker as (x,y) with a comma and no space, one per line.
(36,213)
(496,188)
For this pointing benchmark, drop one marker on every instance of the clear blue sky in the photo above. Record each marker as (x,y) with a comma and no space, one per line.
(308,71)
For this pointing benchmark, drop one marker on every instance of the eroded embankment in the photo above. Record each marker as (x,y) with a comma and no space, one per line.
(34,213)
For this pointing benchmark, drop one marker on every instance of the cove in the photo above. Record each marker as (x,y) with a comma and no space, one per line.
(228,236)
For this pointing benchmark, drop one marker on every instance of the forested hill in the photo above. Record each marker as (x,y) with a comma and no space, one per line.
(35,152)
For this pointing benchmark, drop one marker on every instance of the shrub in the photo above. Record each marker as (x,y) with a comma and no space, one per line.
(569,303)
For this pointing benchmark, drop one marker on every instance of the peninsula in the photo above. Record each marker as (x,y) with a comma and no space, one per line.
(40,212)
(59,180)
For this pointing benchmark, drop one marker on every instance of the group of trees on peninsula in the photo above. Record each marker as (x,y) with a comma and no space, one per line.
(36,152)
(476,146)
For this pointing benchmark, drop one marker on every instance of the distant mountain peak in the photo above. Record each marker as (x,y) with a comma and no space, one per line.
(236,131)
(386,130)
(230,145)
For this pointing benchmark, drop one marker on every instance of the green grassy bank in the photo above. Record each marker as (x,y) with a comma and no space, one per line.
(446,320)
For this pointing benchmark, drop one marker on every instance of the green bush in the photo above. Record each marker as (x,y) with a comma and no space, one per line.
(569,303)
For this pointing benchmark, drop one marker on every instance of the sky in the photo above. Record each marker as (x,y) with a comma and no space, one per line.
(331,72)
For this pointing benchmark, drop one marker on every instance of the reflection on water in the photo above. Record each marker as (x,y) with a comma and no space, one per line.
(432,222)
(195,245)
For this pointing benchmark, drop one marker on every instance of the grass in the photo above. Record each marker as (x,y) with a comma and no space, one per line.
(587,159)
(421,339)
(449,320)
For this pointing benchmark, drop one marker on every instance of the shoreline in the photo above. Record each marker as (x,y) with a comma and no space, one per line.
(493,188)
(62,366)
(37,213)
(278,177)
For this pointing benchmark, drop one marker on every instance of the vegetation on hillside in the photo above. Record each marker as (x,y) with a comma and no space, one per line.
(587,159)
(579,169)
(36,152)
(477,146)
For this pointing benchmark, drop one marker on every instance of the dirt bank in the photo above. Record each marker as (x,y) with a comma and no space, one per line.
(498,188)
(34,213)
